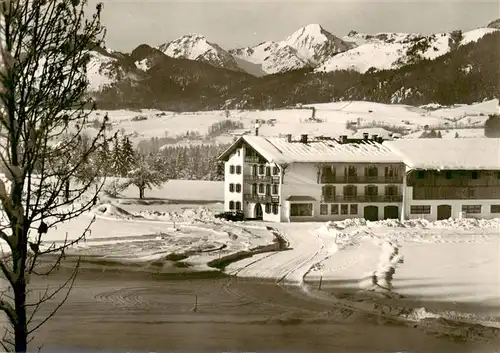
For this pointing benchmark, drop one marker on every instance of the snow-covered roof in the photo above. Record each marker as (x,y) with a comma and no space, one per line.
(442,154)
(279,150)
(372,131)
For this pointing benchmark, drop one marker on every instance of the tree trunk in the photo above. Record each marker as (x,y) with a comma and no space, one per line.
(20,326)
(141,192)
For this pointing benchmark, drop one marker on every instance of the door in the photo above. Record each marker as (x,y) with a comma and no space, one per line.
(444,212)
(371,213)
(258,211)
(391,212)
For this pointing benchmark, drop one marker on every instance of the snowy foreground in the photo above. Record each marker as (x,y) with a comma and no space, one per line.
(446,268)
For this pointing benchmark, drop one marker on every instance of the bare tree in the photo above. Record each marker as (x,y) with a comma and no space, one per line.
(45,46)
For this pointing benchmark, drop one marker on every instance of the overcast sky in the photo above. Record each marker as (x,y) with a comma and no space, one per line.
(232,23)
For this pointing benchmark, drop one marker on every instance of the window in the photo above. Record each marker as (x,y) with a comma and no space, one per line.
(420,174)
(231,187)
(268,208)
(495,209)
(498,175)
(350,191)
(323,209)
(268,189)
(238,187)
(254,169)
(254,189)
(275,189)
(275,208)
(231,169)
(353,209)
(238,169)
(344,209)
(261,188)
(391,190)
(371,172)
(328,174)
(334,210)
(231,205)
(261,169)
(238,206)
(420,209)
(351,171)
(371,190)
(471,208)
(475,175)
(448,175)
(328,192)
(276,171)
(268,171)
(391,172)
(301,209)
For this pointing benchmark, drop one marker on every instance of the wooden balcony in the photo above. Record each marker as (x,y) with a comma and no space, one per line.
(274,179)
(261,198)
(362,180)
(252,159)
(362,198)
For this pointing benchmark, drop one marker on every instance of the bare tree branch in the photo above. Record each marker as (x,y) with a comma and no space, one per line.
(52,174)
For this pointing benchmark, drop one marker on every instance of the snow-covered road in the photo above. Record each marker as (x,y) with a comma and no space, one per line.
(309,245)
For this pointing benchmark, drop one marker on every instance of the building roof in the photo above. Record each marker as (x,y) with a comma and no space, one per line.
(300,198)
(443,154)
(279,150)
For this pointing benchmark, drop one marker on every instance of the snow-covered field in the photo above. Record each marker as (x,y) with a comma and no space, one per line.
(450,268)
(331,120)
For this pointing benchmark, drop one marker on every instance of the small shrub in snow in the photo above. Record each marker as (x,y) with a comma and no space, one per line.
(114,188)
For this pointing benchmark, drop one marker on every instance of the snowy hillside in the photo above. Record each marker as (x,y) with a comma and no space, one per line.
(272,57)
(103,70)
(307,47)
(196,47)
(332,119)
(385,51)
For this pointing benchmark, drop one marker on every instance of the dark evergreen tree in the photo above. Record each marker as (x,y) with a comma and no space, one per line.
(127,156)
(492,126)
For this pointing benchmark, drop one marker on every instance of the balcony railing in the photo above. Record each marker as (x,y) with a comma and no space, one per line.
(262,178)
(362,198)
(252,159)
(261,198)
(362,180)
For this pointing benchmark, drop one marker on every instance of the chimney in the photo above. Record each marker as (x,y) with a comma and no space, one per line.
(257,125)
(288,137)
(365,136)
(303,138)
(375,137)
(343,139)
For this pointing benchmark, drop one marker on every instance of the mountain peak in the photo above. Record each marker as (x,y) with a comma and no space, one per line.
(315,44)
(494,24)
(196,47)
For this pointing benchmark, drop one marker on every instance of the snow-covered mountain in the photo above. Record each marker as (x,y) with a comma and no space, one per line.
(309,46)
(314,47)
(385,51)
(192,58)
(105,68)
(494,24)
(196,47)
